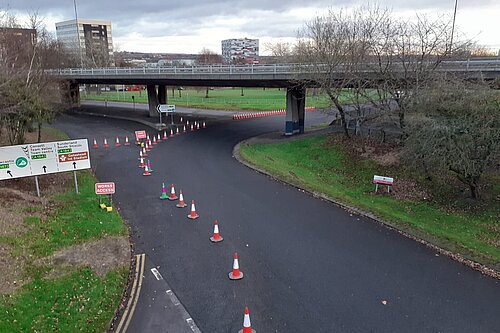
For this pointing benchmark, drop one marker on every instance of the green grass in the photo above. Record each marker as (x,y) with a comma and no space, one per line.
(79,300)
(319,166)
(75,221)
(219,98)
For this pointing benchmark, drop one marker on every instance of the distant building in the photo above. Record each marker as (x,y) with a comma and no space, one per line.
(15,41)
(240,50)
(94,40)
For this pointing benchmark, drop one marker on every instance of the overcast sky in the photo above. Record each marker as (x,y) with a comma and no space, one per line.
(186,26)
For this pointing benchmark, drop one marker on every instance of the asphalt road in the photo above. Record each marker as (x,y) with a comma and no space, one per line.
(309,266)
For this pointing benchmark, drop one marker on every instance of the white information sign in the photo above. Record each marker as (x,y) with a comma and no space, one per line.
(43,158)
(165,108)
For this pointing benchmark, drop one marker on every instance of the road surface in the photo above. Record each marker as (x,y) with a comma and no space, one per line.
(309,266)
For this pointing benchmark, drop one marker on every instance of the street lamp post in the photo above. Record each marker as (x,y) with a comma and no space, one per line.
(453,25)
(78,35)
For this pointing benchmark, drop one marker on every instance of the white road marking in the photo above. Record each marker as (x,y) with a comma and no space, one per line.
(173,298)
(156,274)
(192,325)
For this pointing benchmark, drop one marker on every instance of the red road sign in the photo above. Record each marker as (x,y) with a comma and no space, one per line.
(105,188)
(71,157)
(140,135)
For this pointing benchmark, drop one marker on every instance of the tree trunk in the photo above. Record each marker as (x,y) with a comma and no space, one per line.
(206,93)
(39,132)
(402,123)
(473,191)
(342,114)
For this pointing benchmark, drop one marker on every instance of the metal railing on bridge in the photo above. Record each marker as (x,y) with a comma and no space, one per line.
(291,69)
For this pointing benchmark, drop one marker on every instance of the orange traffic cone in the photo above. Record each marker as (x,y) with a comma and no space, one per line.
(172,193)
(140,155)
(159,138)
(193,215)
(106,143)
(184,129)
(95,145)
(141,163)
(192,128)
(127,143)
(144,152)
(187,122)
(216,237)
(117,142)
(171,133)
(198,126)
(154,140)
(247,326)
(177,131)
(235,274)
(181,203)
(148,147)
(165,137)
(181,120)
(204,125)
(146,171)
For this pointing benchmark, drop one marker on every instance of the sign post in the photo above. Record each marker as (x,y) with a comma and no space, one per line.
(140,135)
(383,181)
(166,108)
(44,158)
(107,189)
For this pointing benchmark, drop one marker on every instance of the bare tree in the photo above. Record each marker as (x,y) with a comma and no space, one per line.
(336,48)
(27,92)
(407,54)
(282,52)
(455,127)
(208,57)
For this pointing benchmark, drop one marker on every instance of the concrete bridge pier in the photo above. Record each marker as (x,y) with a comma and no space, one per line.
(295,110)
(70,93)
(162,94)
(152,100)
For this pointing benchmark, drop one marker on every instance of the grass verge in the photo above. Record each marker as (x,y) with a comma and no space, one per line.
(320,166)
(76,298)
(219,98)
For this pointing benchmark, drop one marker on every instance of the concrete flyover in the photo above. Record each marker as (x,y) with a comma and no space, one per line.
(294,77)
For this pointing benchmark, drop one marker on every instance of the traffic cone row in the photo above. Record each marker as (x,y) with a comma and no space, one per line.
(106,144)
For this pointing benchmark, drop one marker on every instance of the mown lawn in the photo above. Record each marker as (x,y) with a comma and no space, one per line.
(78,301)
(219,98)
(320,166)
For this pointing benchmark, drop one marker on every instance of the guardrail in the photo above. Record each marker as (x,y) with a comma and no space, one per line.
(457,66)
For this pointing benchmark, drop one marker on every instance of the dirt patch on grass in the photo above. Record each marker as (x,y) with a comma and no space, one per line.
(102,256)
(11,271)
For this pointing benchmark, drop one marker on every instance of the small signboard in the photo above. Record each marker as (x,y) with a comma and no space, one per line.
(383,180)
(105,188)
(165,108)
(140,135)
(43,158)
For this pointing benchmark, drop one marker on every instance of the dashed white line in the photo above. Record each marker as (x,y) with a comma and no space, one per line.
(156,274)
(192,325)
(173,298)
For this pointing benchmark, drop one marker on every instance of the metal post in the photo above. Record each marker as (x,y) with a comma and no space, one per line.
(76,182)
(37,186)
(172,118)
(160,117)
